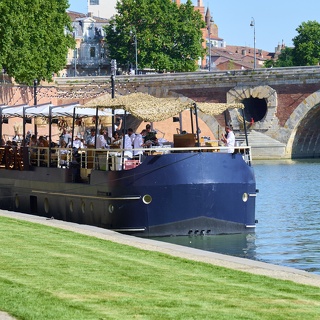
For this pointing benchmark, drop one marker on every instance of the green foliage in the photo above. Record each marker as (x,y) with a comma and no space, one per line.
(33,39)
(168,37)
(307,44)
(306,50)
(48,273)
(285,58)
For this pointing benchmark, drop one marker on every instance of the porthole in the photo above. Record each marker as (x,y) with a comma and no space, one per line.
(83,207)
(17,201)
(111,208)
(245,197)
(46,205)
(147,199)
(71,206)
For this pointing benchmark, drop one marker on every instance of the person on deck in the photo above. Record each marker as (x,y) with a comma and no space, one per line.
(229,139)
(101,141)
(150,138)
(91,139)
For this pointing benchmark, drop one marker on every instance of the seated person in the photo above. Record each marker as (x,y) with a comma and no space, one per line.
(116,140)
(101,141)
(150,138)
(77,143)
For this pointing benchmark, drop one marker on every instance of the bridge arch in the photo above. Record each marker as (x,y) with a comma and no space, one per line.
(260,104)
(304,129)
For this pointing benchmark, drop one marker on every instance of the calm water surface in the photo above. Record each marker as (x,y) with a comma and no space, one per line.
(288,210)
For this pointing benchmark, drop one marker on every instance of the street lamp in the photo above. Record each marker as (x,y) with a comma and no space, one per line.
(134,33)
(75,62)
(209,34)
(253,24)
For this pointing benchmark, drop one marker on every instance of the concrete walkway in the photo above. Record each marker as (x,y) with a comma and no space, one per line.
(246,265)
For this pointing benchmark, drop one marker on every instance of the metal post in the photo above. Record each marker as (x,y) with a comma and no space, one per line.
(191,118)
(113,75)
(134,32)
(253,24)
(136,47)
(197,124)
(35,102)
(75,61)
(209,33)
(246,134)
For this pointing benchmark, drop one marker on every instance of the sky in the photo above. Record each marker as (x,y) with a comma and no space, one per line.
(275,20)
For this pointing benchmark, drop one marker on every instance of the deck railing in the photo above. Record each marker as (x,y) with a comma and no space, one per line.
(98,159)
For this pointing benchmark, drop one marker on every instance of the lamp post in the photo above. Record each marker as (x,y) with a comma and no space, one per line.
(209,35)
(75,62)
(253,24)
(134,33)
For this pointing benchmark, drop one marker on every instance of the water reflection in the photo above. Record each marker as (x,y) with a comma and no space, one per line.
(239,245)
(288,210)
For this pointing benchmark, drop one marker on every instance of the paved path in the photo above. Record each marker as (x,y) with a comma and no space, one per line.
(242,264)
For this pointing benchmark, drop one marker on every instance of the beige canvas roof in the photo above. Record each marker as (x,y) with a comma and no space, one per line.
(149,108)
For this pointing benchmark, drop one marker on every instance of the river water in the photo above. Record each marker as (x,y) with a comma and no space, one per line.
(288,211)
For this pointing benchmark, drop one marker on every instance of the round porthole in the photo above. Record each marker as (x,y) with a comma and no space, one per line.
(245,197)
(46,205)
(71,206)
(17,201)
(111,208)
(147,199)
(83,207)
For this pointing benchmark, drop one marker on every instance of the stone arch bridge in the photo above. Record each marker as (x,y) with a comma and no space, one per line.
(282,105)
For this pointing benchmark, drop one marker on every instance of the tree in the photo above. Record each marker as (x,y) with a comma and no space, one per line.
(169,37)
(285,58)
(306,50)
(34,38)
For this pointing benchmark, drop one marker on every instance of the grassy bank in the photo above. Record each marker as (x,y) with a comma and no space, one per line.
(49,273)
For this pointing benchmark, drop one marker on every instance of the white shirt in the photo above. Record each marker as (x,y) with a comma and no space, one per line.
(101,142)
(231,140)
(128,145)
(137,144)
(77,144)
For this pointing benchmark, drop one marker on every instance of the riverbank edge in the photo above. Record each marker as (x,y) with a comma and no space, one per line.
(236,263)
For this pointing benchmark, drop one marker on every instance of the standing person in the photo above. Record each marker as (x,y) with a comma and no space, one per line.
(127,146)
(138,144)
(229,140)
(131,135)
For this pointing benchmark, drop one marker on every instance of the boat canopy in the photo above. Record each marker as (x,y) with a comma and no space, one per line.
(56,111)
(149,108)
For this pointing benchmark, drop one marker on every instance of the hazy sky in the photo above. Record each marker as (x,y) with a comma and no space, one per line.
(275,20)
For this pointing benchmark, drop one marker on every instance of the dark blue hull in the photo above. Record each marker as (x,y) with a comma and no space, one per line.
(172,194)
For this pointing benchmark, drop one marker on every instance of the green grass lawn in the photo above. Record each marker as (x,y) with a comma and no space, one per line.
(49,273)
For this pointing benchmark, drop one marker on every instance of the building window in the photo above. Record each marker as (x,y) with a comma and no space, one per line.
(94,2)
(92,52)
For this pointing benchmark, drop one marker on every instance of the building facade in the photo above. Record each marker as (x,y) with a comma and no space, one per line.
(102,8)
(89,57)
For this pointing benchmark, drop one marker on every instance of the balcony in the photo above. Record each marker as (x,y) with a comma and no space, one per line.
(86,61)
